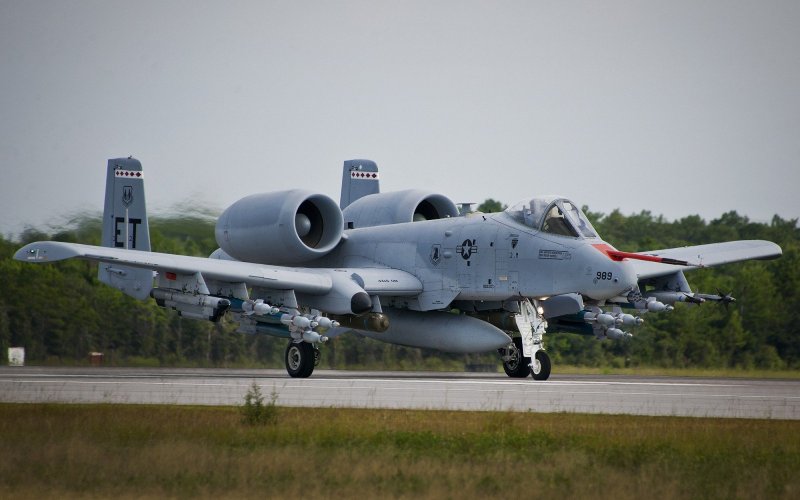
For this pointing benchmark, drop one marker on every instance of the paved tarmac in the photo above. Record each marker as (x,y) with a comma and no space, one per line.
(671,396)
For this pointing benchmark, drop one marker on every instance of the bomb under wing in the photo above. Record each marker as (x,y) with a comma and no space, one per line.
(372,322)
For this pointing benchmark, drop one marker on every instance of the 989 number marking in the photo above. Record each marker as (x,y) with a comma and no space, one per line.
(603,275)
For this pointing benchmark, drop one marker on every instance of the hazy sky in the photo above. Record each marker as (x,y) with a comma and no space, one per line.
(675,107)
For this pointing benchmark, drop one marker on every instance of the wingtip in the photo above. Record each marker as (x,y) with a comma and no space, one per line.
(45,251)
(774,252)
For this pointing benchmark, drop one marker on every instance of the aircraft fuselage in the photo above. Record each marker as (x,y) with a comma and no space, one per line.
(484,257)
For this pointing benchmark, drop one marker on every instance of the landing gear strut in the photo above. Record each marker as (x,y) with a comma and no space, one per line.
(525,355)
(301,357)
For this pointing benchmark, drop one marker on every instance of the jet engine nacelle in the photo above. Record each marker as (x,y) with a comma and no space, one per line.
(397,207)
(285,227)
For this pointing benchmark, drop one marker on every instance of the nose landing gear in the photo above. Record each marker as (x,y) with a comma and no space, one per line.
(526,355)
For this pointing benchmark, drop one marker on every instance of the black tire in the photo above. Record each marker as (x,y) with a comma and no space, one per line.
(299,358)
(517,367)
(317,356)
(543,372)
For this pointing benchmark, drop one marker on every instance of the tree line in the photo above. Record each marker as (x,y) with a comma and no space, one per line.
(61,312)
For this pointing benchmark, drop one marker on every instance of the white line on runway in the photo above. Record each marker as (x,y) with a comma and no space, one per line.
(187,384)
(532,383)
(321,385)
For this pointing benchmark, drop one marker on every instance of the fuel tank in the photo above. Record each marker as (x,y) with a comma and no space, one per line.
(441,331)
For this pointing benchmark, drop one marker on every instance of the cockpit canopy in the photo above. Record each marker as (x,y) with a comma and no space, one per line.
(554,215)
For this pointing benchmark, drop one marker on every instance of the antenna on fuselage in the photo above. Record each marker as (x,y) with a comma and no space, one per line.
(465,208)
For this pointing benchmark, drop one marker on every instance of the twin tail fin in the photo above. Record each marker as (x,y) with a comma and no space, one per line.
(125,226)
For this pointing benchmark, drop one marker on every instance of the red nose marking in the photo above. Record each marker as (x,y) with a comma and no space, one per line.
(618,256)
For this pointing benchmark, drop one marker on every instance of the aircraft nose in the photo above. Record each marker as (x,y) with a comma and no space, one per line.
(609,277)
(627,277)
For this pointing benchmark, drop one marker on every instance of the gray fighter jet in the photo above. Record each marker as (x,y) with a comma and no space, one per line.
(405,267)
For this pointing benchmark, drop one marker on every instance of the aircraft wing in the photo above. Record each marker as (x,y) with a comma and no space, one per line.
(309,281)
(710,255)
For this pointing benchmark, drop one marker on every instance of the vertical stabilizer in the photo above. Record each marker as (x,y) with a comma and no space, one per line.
(359,178)
(125,226)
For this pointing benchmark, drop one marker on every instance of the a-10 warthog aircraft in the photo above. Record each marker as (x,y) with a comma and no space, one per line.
(404,267)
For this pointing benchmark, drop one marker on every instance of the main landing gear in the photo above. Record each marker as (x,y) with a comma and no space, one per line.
(525,355)
(301,358)
(516,365)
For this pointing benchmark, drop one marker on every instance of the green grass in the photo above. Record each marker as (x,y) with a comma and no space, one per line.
(168,451)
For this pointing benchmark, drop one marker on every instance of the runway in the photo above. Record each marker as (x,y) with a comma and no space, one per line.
(670,396)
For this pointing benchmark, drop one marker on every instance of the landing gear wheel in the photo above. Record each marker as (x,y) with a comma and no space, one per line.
(299,359)
(517,366)
(541,366)
(317,356)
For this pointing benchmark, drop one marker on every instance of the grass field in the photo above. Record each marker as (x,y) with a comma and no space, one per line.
(108,451)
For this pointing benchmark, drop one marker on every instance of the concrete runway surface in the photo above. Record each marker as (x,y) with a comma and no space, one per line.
(671,396)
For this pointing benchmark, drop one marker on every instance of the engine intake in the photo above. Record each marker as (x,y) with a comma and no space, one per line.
(285,227)
(396,207)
